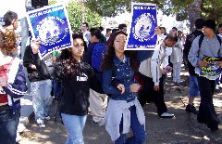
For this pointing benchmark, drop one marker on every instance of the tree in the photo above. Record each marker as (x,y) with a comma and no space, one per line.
(183,9)
(78,13)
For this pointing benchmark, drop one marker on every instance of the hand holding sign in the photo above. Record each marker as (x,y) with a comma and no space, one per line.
(202,63)
(35,45)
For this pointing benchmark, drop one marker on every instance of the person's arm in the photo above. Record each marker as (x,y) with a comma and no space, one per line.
(194,52)
(107,83)
(95,84)
(28,60)
(155,70)
(18,88)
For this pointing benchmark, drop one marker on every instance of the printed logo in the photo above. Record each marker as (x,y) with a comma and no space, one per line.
(144,27)
(50,32)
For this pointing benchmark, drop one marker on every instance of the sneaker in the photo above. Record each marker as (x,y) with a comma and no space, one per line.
(47,118)
(191,109)
(40,122)
(167,115)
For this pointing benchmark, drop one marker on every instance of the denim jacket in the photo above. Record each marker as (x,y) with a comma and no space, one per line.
(124,74)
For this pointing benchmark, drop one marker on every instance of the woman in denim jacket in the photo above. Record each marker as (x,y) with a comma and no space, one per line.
(124,110)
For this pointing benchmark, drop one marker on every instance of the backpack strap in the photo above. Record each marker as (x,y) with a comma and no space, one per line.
(220,41)
(201,41)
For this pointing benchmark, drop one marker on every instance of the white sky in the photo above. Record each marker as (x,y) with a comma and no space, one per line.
(17,6)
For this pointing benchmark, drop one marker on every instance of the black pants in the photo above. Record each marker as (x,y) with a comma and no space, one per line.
(148,94)
(207,112)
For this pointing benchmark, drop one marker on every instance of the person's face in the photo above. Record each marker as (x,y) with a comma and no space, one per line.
(93,39)
(119,43)
(163,31)
(15,24)
(220,30)
(83,27)
(124,29)
(169,43)
(206,30)
(109,33)
(78,48)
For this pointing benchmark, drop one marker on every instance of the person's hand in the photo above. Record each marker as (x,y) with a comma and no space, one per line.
(219,63)
(156,88)
(3,82)
(135,87)
(35,45)
(32,66)
(167,69)
(158,31)
(121,88)
(202,63)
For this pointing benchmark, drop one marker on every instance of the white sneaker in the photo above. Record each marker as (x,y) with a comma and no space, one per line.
(40,122)
(167,115)
(47,118)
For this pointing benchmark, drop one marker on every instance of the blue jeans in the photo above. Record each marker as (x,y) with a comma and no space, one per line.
(57,89)
(137,129)
(8,125)
(74,126)
(41,97)
(193,86)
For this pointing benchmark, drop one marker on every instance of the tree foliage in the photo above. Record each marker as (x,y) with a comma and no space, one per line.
(78,13)
(182,8)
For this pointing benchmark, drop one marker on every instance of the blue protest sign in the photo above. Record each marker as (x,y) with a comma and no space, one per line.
(142,29)
(51,26)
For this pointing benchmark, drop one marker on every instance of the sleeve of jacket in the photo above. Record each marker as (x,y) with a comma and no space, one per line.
(155,71)
(27,59)
(19,87)
(95,84)
(187,46)
(107,83)
(193,54)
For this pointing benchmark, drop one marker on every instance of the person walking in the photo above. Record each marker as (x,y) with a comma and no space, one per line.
(76,77)
(40,83)
(193,84)
(124,110)
(12,86)
(206,56)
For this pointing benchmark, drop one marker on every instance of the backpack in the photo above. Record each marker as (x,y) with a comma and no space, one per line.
(98,53)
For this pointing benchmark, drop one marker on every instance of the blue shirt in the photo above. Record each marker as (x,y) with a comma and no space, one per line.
(122,72)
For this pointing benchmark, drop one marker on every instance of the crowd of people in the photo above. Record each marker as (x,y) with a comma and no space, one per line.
(97,77)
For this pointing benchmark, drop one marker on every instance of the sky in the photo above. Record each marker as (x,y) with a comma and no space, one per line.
(17,6)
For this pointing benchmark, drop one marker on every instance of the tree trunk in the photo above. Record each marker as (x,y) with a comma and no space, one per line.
(194,12)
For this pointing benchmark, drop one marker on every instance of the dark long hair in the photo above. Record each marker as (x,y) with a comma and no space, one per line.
(70,66)
(108,58)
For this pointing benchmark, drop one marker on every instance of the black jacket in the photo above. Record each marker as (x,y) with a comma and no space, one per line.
(187,47)
(41,72)
(75,89)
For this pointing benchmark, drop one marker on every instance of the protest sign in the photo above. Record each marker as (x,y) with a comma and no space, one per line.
(142,28)
(51,26)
